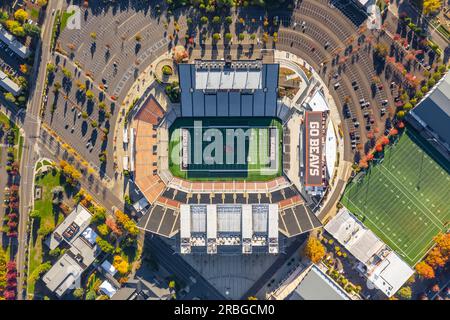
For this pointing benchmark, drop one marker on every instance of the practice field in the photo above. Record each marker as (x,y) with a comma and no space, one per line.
(405,198)
(221,149)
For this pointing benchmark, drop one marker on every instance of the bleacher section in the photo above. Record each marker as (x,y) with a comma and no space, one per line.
(161,220)
(238,186)
(295,217)
(145,149)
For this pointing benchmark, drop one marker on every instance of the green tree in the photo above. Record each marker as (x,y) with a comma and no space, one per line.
(405,293)
(408,106)
(10,97)
(67,74)
(32,30)
(55,252)
(78,293)
(35,214)
(51,67)
(431,6)
(21,15)
(45,230)
(104,245)
(103,230)
(89,95)
(90,295)
(98,217)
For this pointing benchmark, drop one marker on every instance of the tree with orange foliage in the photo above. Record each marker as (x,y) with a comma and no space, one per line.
(314,250)
(121,265)
(363,164)
(424,270)
(393,132)
(379,147)
(384,140)
(443,242)
(435,258)
(113,226)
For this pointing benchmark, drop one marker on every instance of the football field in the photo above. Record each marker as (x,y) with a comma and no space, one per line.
(226,149)
(404,199)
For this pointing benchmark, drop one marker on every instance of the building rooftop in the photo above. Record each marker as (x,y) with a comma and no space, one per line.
(72,226)
(9,85)
(236,88)
(316,285)
(15,45)
(107,288)
(382,266)
(238,227)
(63,275)
(140,289)
(433,112)
(357,239)
(82,251)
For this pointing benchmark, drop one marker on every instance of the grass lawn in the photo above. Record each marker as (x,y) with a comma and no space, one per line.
(404,199)
(4,120)
(34,13)
(254,167)
(47,217)
(65,17)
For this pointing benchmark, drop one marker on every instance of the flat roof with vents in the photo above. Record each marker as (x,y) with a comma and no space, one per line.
(236,228)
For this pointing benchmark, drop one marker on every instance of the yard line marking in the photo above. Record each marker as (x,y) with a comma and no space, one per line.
(374,225)
(413,197)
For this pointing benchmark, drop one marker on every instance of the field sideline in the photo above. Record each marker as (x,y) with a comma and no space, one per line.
(404,198)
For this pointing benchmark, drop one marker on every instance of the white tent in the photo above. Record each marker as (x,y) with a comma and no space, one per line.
(107,288)
(109,268)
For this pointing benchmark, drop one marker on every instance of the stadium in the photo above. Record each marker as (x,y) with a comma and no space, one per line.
(219,172)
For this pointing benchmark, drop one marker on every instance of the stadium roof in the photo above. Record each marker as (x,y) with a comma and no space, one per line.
(316,285)
(232,226)
(434,110)
(218,88)
(228,78)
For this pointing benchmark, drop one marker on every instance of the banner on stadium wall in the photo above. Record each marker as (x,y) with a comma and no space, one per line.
(313,144)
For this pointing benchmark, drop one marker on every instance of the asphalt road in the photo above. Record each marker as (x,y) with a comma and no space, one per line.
(31,126)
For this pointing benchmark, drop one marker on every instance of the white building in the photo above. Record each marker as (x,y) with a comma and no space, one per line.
(379,263)
(13,44)
(9,85)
